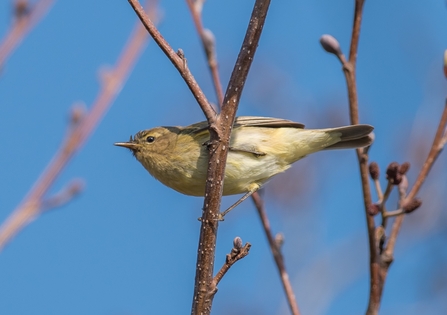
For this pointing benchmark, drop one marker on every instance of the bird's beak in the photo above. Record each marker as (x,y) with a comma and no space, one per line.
(130,145)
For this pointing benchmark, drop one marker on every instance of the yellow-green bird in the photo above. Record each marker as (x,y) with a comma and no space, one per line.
(260,148)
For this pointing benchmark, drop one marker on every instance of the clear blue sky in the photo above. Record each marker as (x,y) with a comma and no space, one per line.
(127,244)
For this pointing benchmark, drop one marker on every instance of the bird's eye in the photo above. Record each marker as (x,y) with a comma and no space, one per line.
(150,139)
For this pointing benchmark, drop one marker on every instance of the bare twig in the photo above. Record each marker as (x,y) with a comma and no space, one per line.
(31,206)
(178,60)
(277,255)
(209,45)
(26,18)
(389,188)
(72,189)
(436,148)
(237,252)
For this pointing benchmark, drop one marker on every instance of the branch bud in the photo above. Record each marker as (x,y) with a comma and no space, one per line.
(412,205)
(279,239)
(374,170)
(237,243)
(21,9)
(392,173)
(330,44)
(373,209)
(403,169)
(209,41)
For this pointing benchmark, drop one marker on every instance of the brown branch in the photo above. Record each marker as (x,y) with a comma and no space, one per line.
(277,255)
(26,18)
(358,11)
(178,60)
(380,261)
(349,69)
(209,45)
(220,132)
(237,252)
(31,206)
(435,150)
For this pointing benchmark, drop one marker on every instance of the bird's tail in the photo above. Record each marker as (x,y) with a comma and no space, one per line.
(355,136)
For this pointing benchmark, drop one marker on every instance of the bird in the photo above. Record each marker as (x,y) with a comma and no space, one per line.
(260,148)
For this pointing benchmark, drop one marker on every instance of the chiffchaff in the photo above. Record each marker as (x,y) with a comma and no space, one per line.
(260,147)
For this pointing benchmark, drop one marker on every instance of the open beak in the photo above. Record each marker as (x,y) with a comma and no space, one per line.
(130,145)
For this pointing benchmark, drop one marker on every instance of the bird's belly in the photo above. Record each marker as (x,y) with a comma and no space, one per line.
(243,173)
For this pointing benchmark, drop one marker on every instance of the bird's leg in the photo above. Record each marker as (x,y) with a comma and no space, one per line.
(248,194)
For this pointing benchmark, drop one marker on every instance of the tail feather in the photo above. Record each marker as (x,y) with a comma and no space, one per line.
(355,136)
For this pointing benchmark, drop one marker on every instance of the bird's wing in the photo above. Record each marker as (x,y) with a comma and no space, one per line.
(268,122)
(246,121)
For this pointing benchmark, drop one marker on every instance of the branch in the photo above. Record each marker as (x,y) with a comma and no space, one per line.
(349,69)
(331,45)
(209,45)
(218,146)
(436,148)
(26,18)
(63,197)
(178,60)
(277,255)
(31,206)
(237,252)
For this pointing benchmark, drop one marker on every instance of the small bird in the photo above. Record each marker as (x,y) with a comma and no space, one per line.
(260,148)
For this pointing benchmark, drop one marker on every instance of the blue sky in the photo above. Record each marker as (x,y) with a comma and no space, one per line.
(127,244)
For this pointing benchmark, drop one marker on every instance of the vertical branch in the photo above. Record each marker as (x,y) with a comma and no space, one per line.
(209,46)
(218,146)
(349,69)
(31,206)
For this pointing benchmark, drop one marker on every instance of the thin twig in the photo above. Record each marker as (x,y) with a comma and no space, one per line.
(277,255)
(23,23)
(389,188)
(31,206)
(435,150)
(178,60)
(237,252)
(378,189)
(209,47)
(63,197)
